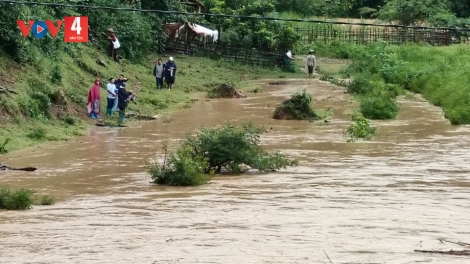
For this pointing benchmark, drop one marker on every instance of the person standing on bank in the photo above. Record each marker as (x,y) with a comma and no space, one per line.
(169,69)
(94,100)
(158,73)
(121,81)
(111,90)
(123,97)
(311,62)
(113,45)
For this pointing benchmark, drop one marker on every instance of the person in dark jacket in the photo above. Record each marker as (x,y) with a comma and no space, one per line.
(121,81)
(169,69)
(124,97)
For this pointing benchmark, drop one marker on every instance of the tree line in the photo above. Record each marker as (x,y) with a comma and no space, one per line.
(142,33)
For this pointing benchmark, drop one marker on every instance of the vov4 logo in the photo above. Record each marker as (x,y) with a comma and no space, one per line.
(75,28)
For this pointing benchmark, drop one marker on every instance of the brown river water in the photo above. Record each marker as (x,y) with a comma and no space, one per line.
(362,202)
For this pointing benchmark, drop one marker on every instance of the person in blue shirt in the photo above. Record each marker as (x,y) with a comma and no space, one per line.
(169,69)
(111,96)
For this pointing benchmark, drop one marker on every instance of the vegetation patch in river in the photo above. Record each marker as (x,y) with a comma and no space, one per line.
(298,107)
(226,90)
(21,199)
(213,150)
(360,129)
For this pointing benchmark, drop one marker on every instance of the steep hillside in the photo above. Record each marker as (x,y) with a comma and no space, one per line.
(50,96)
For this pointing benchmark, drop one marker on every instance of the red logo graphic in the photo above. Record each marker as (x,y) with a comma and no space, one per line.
(76,29)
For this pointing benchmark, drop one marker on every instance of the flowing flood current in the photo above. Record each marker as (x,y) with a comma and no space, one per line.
(362,202)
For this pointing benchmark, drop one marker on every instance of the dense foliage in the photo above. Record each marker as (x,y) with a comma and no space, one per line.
(213,150)
(141,33)
(380,72)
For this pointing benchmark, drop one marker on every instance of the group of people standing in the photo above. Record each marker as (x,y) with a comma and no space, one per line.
(165,72)
(117,98)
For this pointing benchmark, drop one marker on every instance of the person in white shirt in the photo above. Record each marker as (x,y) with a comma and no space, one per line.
(111,96)
(311,62)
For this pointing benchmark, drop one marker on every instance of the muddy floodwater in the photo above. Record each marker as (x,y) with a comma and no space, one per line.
(363,202)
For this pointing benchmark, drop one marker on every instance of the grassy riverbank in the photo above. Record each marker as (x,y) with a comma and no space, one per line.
(51,95)
(380,72)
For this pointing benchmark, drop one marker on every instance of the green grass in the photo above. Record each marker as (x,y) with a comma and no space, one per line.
(380,72)
(38,113)
(440,74)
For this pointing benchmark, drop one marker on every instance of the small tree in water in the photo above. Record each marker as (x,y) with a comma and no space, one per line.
(214,150)
(298,107)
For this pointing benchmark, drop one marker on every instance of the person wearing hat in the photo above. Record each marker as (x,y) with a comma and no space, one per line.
(113,45)
(169,68)
(311,62)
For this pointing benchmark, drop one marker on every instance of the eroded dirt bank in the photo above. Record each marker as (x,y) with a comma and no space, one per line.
(371,202)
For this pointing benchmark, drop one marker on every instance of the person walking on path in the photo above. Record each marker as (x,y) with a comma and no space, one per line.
(169,69)
(311,62)
(124,97)
(94,100)
(111,90)
(158,73)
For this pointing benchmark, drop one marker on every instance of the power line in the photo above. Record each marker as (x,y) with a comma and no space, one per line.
(216,15)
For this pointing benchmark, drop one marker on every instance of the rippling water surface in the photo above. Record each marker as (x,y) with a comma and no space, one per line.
(363,202)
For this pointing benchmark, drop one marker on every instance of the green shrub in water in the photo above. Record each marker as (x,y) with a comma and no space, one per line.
(360,129)
(213,150)
(19,199)
(298,107)
(181,168)
(46,200)
(378,107)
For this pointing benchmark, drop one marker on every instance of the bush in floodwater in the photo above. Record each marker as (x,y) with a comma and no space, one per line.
(378,106)
(213,150)
(298,107)
(19,199)
(181,168)
(46,200)
(360,129)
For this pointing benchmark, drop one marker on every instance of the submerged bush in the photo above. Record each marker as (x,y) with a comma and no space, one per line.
(379,107)
(19,199)
(46,200)
(214,150)
(360,129)
(298,107)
